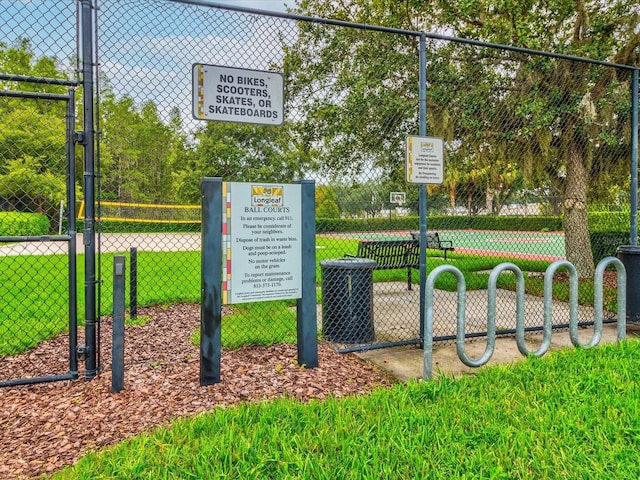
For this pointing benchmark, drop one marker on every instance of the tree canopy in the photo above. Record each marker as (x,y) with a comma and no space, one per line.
(509,118)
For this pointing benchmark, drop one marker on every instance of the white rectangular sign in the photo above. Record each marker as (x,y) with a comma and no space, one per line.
(425,160)
(262,242)
(237,95)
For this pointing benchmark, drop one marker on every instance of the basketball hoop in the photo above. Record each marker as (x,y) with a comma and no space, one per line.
(397,198)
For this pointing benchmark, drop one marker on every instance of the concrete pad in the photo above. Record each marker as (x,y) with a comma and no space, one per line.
(406,363)
(396,311)
(392,302)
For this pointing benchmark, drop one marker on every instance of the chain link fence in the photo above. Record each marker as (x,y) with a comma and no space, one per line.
(537,164)
(536,169)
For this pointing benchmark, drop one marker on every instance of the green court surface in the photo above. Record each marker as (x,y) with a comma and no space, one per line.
(549,245)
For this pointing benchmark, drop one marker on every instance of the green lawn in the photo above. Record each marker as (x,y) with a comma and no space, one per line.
(572,414)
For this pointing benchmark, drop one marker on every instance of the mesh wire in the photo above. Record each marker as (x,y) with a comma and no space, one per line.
(38,41)
(513,124)
(351,100)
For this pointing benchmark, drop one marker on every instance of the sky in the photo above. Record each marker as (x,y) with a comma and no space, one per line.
(147,53)
(271,5)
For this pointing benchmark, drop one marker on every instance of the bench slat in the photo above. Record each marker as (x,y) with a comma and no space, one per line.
(392,254)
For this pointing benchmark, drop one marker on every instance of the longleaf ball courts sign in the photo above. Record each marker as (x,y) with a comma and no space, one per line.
(237,95)
(262,242)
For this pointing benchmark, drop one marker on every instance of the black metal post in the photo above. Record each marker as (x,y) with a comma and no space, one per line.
(211,282)
(133,283)
(634,160)
(117,346)
(71,231)
(89,191)
(307,326)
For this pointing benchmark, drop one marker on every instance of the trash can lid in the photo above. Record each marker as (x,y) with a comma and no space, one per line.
(348,263)
(629,249)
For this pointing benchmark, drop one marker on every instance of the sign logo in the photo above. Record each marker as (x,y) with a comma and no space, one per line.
(426,147)
(267,196)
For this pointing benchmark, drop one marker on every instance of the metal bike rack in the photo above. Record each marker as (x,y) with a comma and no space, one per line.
(427,333)
(598,301)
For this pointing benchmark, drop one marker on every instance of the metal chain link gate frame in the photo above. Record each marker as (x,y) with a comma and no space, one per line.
(28,313)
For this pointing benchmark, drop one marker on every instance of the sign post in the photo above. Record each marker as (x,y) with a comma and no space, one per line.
(256,237)
(211,282)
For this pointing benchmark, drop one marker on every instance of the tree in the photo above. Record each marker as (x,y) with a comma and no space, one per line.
(565,124)
(350,88)
(570,118)
(32,135)
(138,151)
(326,205)
(239,153)
(31,127)
(25,187)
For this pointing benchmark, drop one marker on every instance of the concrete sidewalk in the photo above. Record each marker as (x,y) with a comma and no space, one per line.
(406,363)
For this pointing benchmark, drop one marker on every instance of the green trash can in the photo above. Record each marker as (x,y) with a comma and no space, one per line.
(629,255)
(347,300)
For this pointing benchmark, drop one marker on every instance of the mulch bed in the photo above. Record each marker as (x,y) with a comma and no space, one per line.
(45,427)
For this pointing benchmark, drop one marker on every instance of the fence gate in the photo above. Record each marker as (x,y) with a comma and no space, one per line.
(37,231)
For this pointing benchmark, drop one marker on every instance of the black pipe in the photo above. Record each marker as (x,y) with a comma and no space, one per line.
(444,338)
(48,81)
(71,231)
(89,192)
(34,380)
(39,95)
(133,283)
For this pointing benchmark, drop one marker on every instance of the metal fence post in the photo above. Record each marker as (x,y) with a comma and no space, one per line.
(89,192)
(71,231)
(133,283)
(634,159)
(422,209)
(117,347)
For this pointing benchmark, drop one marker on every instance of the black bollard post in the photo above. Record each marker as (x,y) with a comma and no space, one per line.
(117,347)
(133,283)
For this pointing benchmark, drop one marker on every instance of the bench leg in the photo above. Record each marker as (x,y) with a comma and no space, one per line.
(409,278)
(445,254)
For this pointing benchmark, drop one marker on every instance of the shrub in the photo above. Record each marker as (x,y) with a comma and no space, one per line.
(15,224)
(609,221)
(552,224)
(605,244)
(608,230)
(27,187)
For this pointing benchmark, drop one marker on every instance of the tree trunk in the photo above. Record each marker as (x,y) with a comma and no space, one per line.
(576,230)
(452,199)
(489,197)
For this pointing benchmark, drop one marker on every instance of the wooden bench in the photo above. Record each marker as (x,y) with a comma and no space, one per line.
(434,242)
(391,254)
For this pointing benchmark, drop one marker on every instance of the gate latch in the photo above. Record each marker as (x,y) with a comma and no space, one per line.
(81,352)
